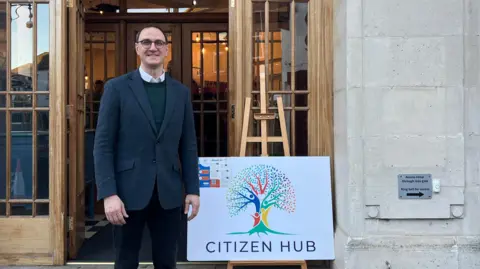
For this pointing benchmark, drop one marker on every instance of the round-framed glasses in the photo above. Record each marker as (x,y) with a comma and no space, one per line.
(147,43)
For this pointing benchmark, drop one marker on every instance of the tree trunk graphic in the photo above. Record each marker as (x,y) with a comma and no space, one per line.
(260,188)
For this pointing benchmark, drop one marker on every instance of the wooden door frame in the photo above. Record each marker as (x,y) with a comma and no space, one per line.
(76,133)
(176,31)
(58,131)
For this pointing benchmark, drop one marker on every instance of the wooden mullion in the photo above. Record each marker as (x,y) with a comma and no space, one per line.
(202,96)
(25,109)
(292,80)
(7,114)
(24,201)
(105,56)
(217,35)
(34,113)
(90,84)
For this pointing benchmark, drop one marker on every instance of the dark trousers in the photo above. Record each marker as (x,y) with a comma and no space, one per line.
(164,226)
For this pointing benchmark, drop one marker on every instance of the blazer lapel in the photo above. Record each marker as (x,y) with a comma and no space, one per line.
(171,98)
(138,89)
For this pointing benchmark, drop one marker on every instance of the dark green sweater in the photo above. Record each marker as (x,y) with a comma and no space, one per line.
(156,93)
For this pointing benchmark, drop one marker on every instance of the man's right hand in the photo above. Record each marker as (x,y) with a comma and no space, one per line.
(115,210)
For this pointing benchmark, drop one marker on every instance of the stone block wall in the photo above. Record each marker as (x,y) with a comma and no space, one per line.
(407,100)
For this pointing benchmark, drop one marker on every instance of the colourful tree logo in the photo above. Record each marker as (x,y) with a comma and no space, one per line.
(264,187)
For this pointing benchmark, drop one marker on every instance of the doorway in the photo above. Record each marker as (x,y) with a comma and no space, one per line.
(198,57)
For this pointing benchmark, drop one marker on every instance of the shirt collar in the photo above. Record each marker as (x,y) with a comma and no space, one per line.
(148,78)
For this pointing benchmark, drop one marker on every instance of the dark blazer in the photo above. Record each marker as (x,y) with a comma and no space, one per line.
(129,156)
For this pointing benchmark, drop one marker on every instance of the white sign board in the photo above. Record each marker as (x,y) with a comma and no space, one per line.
(263,208)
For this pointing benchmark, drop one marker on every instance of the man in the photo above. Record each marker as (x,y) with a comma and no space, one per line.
(145,130)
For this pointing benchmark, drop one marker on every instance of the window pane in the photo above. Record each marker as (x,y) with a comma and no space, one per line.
(21,58)
(3,47)
(43,41)
(21,155)
(21,100)
(3,155)
(3,209)
(42,155)
(21,209)
(42,209)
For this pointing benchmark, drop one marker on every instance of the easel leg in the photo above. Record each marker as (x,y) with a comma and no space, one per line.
(246,120)
(303,265)
(283,126)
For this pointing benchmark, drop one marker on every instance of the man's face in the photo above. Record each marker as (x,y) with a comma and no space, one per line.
(151,47)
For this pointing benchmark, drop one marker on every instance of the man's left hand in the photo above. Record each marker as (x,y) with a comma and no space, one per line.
(194,201)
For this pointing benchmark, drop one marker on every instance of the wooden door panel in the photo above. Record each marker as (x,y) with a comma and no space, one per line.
(76,124)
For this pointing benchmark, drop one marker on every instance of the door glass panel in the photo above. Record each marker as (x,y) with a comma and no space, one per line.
(24,132)
(100,66)
(281,46)
(209,88)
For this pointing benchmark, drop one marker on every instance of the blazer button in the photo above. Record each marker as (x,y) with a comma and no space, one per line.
(154,161)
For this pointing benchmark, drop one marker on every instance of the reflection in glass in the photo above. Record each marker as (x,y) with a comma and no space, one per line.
(21,155)
(21,59)
(3,155)
(209,88)
(3,100)
(42,209)
(23,209)
(21,100)
(43,42)
(283,68)
(26,145)
(3,48)
(42,100)
(42,155)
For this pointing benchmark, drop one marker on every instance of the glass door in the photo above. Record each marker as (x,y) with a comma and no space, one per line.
(205,71)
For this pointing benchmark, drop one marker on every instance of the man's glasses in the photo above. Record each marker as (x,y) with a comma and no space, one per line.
(147,43)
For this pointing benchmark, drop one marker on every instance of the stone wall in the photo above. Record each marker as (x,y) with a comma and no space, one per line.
(407,101)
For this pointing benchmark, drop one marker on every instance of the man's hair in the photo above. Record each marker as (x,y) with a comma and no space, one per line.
(149,26)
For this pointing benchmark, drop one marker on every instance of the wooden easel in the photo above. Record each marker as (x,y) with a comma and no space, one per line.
(263,117)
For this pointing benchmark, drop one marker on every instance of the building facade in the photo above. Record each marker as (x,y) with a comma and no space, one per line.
(384,87)
(406,101)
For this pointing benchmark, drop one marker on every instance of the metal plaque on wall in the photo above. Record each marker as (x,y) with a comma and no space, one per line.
(415,186)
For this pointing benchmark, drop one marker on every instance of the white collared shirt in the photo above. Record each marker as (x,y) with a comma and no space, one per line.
(145,76)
